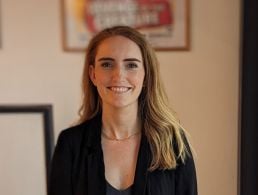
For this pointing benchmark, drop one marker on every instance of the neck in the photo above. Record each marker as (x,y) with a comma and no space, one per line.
(120,123)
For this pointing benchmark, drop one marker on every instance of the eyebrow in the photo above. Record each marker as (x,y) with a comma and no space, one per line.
(112,59)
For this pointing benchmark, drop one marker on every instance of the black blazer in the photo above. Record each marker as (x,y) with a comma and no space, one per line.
(78,168)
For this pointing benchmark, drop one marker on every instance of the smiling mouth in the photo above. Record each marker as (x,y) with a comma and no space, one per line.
(119,89)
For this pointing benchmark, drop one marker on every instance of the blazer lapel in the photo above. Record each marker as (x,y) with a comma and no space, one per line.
(96,176)
(143,163)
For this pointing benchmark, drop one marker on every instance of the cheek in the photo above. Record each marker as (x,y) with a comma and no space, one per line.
(101,78)
(139,78)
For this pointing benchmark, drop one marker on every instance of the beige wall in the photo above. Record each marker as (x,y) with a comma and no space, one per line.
(202,84)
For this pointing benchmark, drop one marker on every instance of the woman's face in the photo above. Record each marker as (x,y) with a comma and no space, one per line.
(118,73)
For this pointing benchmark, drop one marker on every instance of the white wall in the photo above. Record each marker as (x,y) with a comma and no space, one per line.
(202,84)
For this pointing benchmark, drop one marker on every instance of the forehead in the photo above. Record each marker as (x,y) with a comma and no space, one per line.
(118,47)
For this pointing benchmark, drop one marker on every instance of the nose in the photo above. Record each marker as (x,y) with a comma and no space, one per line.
(118,73)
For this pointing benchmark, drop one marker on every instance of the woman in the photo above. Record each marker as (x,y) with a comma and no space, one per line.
(128,141)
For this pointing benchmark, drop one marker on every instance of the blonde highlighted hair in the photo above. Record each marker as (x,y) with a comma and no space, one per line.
(161,127)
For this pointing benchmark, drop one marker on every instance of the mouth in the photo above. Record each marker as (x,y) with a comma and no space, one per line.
(119,89)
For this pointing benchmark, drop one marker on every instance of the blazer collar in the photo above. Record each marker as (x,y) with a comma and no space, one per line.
(93,139)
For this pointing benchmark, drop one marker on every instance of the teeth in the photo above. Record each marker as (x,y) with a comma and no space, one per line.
(119,89)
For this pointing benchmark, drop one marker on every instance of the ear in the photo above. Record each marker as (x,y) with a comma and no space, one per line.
(92,74)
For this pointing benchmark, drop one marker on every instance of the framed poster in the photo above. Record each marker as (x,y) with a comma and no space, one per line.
(26,144)
(165,23)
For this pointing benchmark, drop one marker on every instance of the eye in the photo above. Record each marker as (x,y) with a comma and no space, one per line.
(106,64)
(132,65)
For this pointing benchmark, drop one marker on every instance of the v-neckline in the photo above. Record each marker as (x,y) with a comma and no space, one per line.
(118,190)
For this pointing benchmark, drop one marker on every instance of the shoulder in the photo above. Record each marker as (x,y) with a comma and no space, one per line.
(77,134)
(74,132)
(70,139)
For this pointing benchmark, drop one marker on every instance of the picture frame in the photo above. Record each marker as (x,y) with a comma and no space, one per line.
(27,150)
(165,24)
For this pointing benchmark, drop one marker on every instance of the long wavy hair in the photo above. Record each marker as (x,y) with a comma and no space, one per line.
(160,123)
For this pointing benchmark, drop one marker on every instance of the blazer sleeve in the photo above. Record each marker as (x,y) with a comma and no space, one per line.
(186,182)
(60,171)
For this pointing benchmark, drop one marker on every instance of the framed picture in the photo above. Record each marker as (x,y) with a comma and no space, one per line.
(26,144)
(165,23)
